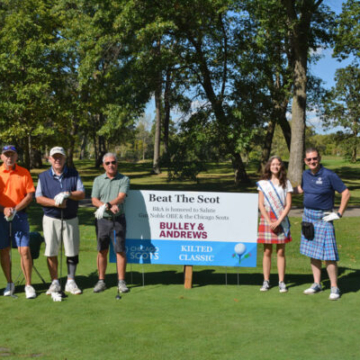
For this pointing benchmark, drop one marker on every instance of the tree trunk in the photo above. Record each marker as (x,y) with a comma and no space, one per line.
(70,150)
(99,141)
(26,157)
(35,159)
(83,147)
(239,169)
(299,21)
(285,127)
(265,154)
(353,154)
(156,161)
(354,144)
(70,156)
(143,147)
(217,106)
(297,147)
(355,141)
(101,151)
(96,150)
(167,106)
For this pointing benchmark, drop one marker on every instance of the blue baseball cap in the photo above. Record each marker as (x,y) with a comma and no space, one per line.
(8,148)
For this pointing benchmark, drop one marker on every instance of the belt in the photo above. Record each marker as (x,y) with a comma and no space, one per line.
(115,218)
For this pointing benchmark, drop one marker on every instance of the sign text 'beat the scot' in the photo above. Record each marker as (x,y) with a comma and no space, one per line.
(187,228)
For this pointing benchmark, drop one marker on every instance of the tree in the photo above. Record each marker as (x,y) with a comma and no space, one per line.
(112,82)
(310,24)
(341,107)
(31,67)
(267,58)
(142,138)
(207,36)
(347,40)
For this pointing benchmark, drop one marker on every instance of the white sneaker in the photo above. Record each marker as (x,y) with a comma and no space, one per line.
(100,286)
(282,287)
(30,292)
(72,288)
(54,288)
(314,289)
(122,286)
(265,286)
(334,293)
(9,290)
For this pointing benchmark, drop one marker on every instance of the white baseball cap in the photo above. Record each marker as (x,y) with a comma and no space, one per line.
(57,150)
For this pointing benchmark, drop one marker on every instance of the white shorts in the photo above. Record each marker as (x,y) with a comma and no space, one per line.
(52,235)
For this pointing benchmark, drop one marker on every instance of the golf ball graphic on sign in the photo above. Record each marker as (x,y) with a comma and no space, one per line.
(240,248)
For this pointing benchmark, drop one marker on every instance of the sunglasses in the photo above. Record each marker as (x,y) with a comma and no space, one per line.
(9,148)
(110,162)
(312,159)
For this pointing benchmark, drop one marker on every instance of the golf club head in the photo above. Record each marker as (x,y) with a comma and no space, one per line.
(14,296)
(117,297)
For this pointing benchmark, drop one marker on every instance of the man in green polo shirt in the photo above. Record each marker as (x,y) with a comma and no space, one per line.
(108,195)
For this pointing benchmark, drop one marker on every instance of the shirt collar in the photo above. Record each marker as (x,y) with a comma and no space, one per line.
(8,171)
(320,171)
(65,170)
(116,176)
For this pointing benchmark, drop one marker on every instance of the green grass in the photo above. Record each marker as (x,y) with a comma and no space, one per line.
(214,320)
(224,316)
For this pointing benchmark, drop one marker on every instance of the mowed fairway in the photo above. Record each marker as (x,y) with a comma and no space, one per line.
(162,320)
(224,316)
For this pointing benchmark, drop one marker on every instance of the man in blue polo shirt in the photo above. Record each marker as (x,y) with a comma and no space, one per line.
(318,186)
(59,190)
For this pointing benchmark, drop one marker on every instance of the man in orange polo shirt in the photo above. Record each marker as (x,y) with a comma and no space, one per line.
(16,193)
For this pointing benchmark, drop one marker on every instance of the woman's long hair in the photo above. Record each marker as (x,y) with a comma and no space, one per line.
(282,172)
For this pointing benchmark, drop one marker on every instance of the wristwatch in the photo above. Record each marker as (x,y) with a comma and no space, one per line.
(108,205)
(339,215)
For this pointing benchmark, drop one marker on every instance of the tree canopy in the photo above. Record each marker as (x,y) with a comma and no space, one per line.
(76,72)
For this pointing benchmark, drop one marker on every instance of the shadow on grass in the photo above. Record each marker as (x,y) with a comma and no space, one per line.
(349,282)
(348,172)
(88,282)
(348,279)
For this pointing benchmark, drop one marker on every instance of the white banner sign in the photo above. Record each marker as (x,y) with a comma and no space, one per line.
(191,228)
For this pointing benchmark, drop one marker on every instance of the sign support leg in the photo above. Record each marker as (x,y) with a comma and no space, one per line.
(188,276)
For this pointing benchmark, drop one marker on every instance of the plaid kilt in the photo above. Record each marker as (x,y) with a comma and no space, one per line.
(267,236)
(323,246)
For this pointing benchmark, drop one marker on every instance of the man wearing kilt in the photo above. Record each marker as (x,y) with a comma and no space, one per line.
(318,234)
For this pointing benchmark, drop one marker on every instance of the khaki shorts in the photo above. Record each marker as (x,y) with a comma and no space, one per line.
(52,235)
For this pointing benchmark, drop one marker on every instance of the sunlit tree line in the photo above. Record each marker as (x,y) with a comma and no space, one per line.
(80,73)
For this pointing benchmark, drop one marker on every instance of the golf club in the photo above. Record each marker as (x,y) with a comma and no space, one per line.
(117,297)
(62,294)
(10,241)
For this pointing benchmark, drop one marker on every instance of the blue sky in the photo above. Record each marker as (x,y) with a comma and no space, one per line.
(325,69)
(327,65)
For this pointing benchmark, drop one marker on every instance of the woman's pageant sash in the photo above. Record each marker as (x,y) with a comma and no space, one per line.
(276,205)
